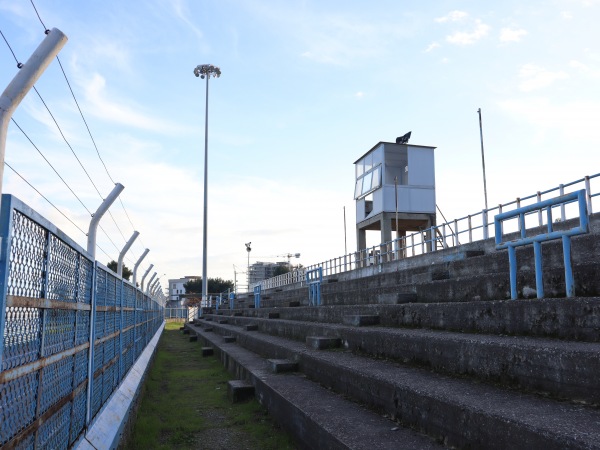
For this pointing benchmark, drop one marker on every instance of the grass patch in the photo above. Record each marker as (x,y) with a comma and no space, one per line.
(185,405)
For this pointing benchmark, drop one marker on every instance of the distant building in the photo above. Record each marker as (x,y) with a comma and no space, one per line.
(177,288)
(263,270)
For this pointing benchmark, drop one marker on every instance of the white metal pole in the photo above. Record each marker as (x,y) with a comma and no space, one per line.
(137,264)
(482,159)
(125,250)
(25,78)
(150,282)
(91,241)
(345,236)
(145,274)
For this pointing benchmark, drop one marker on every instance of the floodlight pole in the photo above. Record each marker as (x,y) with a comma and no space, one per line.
(205,71)
(25,78)
(146,273)
(124,251)
(91,241)
(137,264)
(482,160)
(248,249)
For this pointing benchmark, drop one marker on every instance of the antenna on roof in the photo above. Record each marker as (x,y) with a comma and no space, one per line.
(403,139)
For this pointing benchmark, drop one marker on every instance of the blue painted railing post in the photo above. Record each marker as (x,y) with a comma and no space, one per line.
(512,262)
(314,278)
(92,337)
(257,291)
(539,280)
(569,280)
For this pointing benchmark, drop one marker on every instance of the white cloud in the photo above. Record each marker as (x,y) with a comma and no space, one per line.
(182,12)
(511,34)
(466,38)
(534,77)
(101,105)
(576,119)
(567,15)
(342,40)
(112,52)
(338,38)
(432,46)
(359,94)
(584,69)
(453,16)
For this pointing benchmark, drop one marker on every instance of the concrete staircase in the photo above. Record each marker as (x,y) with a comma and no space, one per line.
(476,389)
(407,370)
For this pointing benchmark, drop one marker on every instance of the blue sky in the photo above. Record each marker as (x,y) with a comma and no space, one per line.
(307,88)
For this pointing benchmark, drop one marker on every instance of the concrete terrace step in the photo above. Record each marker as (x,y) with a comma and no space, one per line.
(565,370)
(454,274)
(316,417)
(458,412)
(571,319)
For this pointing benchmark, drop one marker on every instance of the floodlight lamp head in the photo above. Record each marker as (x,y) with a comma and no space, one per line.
(248,249)
(403,139)
(206,70)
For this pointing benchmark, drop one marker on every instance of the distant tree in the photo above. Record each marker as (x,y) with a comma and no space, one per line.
(281,269)
(126,270)
(215,285)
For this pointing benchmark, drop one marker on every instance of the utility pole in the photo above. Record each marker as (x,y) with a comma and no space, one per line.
(482,160)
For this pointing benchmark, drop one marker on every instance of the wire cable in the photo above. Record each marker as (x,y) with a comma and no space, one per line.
(19,65)
(46,30)
(89,133)
(83,118)
(66,141)
(43,196)
(38,15)
(50,164)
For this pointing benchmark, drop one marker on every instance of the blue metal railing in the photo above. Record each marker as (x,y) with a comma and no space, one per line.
(257,291)
(537,240)
(71,329)
(467,229)
(314,278)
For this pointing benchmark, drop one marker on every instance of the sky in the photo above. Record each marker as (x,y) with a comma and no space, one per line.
(307,87)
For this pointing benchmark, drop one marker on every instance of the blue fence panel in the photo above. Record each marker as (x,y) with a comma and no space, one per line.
(64,319)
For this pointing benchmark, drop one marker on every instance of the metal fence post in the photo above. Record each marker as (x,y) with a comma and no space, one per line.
(539,199)
(124,251)
(484,217)
(561,190)
(92,337)
(588,194)
(135,267)
(25,78)
(93,228)
(121,332)
(6,220)
(144,276)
